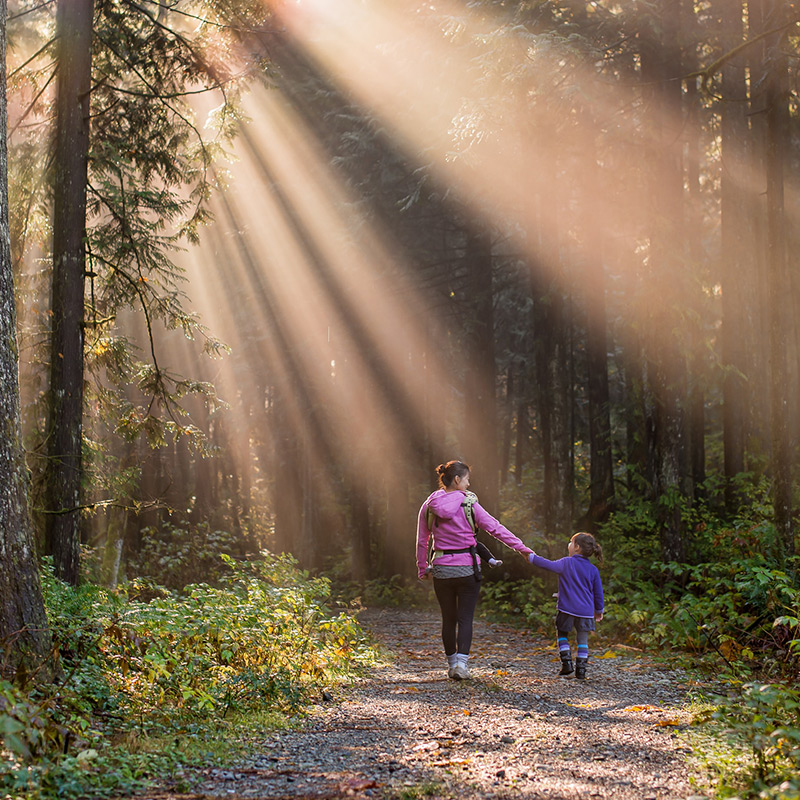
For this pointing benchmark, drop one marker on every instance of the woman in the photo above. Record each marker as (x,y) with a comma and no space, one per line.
(455,568)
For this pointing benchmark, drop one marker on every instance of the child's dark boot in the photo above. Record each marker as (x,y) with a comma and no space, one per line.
(566,666)
(580,667)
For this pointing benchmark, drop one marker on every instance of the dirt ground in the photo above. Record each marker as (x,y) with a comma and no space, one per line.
(515,731)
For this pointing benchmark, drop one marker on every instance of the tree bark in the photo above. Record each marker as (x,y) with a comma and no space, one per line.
(601,476)
(555,408)
(733,136)
(777,96)
(759,422)
(361,538)
(24,635)
(661,70)
(479,437)
(698,365)
(65,432)
(508,424)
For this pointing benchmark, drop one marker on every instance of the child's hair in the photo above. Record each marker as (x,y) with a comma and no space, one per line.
(588,545)
(447,472)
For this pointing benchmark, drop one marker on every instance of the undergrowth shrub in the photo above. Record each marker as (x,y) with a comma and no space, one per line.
(743,610)
(762,723)
(737,597)
(150,662)
(176,555)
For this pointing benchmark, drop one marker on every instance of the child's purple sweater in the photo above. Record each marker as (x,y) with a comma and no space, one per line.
(453,532)
(580,591)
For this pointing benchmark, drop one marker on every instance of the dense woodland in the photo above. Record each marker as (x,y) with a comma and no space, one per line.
(268,263)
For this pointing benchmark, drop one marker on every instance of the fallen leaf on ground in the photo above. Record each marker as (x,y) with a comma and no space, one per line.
(354,785)
(426,746)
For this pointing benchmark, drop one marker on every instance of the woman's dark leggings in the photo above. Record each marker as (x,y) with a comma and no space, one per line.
(457,598)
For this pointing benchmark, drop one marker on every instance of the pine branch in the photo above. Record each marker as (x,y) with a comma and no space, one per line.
(31,10)
(708,73)
(36,55)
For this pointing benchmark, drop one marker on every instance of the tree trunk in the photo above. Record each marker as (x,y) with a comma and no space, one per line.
(601,474)
(24,635)
(63,479)
(733,135)
(698,366)
(361,539)
(479,438)
(777,96)
(757,214)
(555,408)
(508,424)
(400,524)
(635,410)
(661,69)
(521,441)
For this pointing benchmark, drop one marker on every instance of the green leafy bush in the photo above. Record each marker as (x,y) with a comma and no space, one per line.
(183,553)
(150,663)
(741,610)
(763,724)
(734,598)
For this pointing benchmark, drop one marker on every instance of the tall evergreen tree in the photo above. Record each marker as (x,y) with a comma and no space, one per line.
(24,635)
(735,266)
(65,427)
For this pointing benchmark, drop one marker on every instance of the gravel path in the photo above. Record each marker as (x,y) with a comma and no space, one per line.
(516,731)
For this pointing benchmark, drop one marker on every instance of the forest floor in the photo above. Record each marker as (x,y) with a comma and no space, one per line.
(515,731)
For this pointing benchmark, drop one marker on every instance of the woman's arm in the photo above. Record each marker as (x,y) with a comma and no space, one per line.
(486,522)
(423,537)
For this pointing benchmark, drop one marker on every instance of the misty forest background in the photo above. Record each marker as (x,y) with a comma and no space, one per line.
(272,263)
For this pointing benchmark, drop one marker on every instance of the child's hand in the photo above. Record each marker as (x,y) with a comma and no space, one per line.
(531,557)
(599,616)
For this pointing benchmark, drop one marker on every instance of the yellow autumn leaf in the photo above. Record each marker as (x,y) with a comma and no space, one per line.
(664,722)
(609,654)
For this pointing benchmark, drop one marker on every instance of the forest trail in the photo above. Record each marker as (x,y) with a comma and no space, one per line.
(516,731)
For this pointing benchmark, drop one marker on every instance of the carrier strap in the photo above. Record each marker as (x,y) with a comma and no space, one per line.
(472,550)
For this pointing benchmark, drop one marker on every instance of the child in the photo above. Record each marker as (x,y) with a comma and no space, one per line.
(580,598)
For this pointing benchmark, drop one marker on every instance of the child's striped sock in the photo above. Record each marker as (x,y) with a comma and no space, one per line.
(563,648)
